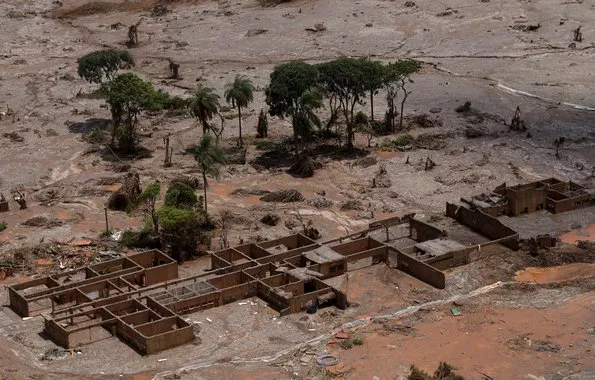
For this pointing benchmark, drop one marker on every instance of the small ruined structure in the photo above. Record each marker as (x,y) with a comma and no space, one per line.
(549,194)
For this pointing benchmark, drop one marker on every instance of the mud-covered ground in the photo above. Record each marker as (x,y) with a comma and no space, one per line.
(474,51)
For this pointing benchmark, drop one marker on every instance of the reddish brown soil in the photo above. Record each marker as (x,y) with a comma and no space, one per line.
(478,342)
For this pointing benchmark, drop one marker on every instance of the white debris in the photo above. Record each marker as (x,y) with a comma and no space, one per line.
(209,319)
(161,360)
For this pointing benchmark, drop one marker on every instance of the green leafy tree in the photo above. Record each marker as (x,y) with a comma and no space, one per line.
(204,105)
(101,65)
(374,80)
(209,157)
(346,78)
(239,94)
(306,120)
(180,229)
(128,95)
(291,94)
(147,200)
(180,195)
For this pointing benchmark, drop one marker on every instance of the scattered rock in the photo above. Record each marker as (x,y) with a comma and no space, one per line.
(283,196)
(255,32)
(369,25)
(474,132)
(410,4)
(364,162)
(319,202)
(431,141)
(42,221)
(317,28)
(270,219)
(14,137)
(352,204)
(304,167)
(423,121)
(159,10)
(435,110)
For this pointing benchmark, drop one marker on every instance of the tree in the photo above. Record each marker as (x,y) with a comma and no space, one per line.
(102,65)
(147,200)
(346,78)
(209,157)
(286,96)
(262,130)
(180,230)
(374,80)
(180,195)
(204,105)
(239,94)
(305,119)
(128,95)
(405,68)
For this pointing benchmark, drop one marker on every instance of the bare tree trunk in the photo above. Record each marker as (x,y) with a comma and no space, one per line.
(406,94)
(240,141)
(372,105)
(204,185)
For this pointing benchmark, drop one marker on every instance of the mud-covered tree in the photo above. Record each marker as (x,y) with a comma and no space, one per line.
(396,78)
(209,157)
(374,80)
(291,94)
(262,130)
(204,104)
(147,200)
(127,96)
(239,94)
(102,65)
(346,78)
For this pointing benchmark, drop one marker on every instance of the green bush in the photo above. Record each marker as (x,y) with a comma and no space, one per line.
(3,226)
(180,195)
(403,140)
(360,118)
(96,136)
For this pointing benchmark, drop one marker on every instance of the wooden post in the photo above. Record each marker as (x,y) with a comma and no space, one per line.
(106,222)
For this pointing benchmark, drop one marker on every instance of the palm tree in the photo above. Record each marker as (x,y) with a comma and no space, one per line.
(239,94)
(209,156)
(305,119)
(204,105)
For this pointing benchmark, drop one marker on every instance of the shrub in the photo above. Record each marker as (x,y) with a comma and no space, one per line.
(96,136)
(403,140)
(360,118)
(3,226)
(180,195)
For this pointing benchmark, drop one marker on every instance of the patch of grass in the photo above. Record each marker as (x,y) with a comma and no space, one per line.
(105,234)
(3,226)
(358,341)
(96,136)
(271,145)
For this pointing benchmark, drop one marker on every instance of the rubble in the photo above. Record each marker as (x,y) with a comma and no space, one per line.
(283,196)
